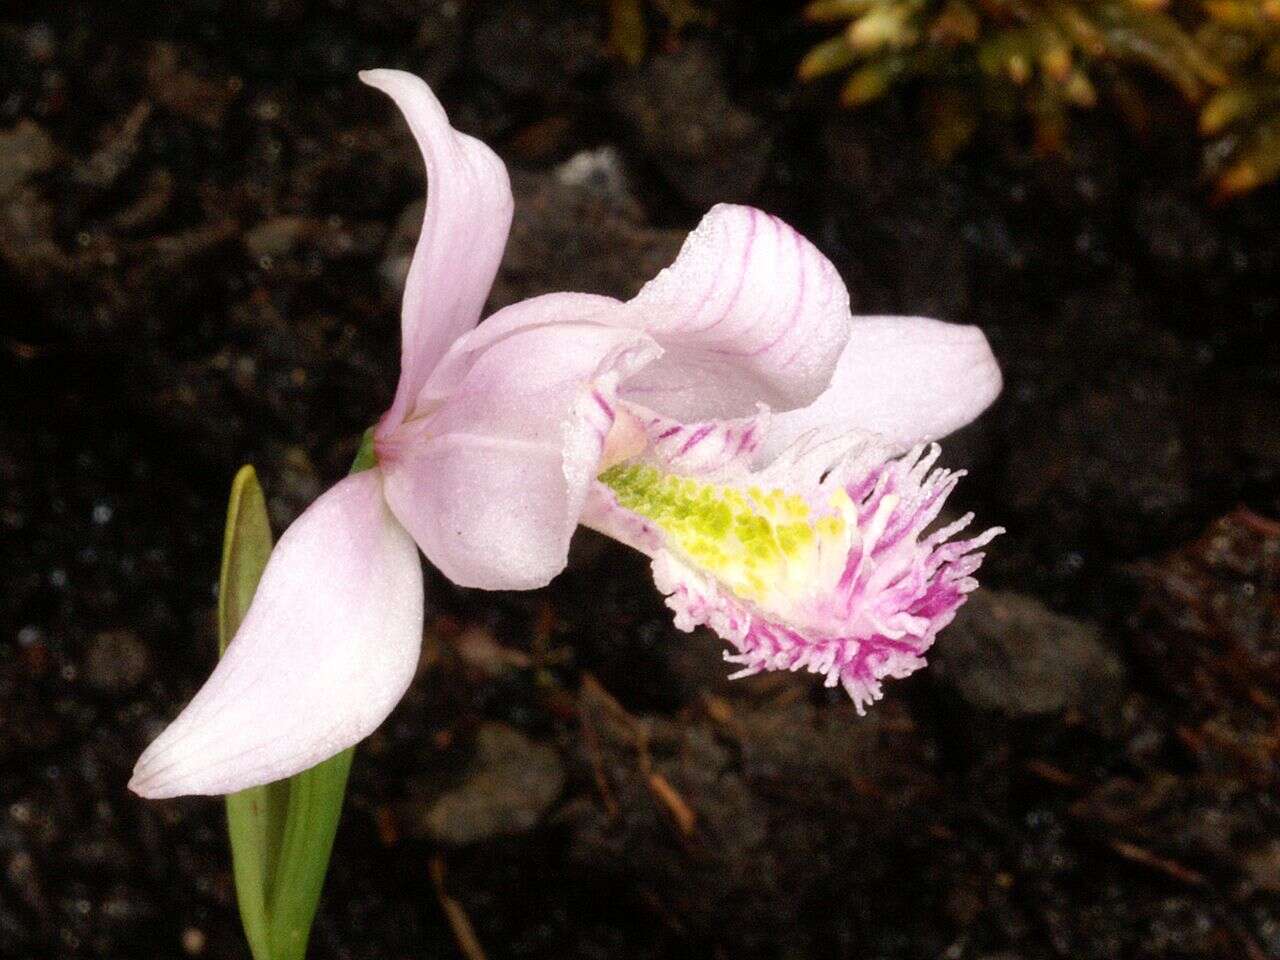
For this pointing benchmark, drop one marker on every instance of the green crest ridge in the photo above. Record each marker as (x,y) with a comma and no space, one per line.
(749,538)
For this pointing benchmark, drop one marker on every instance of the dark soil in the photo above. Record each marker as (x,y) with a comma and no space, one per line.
(204,220)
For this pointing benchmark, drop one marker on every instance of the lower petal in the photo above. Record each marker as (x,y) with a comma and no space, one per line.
(326,650)
(493,484)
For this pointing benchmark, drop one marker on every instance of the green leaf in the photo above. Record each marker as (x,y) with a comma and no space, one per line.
(282,833)
(255,817)
(315,805)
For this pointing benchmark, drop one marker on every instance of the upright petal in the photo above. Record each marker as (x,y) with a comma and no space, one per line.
(327,648)
(749,313)
(491,485)
(907,379)
(464,232)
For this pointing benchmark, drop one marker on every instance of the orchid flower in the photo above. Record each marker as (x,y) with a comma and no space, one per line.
(769,451)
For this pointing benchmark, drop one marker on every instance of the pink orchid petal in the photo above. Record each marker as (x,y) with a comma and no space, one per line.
(750,312)
(907,379)
(534,312)
(491,484)
(464,232)
(327,648)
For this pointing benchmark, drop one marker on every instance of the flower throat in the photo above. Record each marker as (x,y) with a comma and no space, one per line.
(755,541)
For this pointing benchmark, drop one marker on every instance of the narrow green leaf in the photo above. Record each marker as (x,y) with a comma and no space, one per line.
(246,545)
(255,817)
(315,806)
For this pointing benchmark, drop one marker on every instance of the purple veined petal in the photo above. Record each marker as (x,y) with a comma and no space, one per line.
(464,232)
(492,484)
(711,449)
(326,650)
(750,312)
(539,311)
(907,379)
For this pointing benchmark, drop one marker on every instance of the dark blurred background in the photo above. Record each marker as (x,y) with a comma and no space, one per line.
(205,221)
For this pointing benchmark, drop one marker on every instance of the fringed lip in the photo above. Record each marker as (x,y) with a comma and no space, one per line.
(868,613)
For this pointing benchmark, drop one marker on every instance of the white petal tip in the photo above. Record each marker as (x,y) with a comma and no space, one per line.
(148,791)
(379,76)
(138,784)
(410,92)
(155,780)
(163,771)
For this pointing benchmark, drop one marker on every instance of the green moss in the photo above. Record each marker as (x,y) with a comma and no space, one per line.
(1243,117)
(1047,58)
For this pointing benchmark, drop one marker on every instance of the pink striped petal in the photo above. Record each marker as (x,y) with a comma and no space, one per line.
(491,484)
(711,449)
(749,313)
(907,379)
(327,648)
(464,232)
